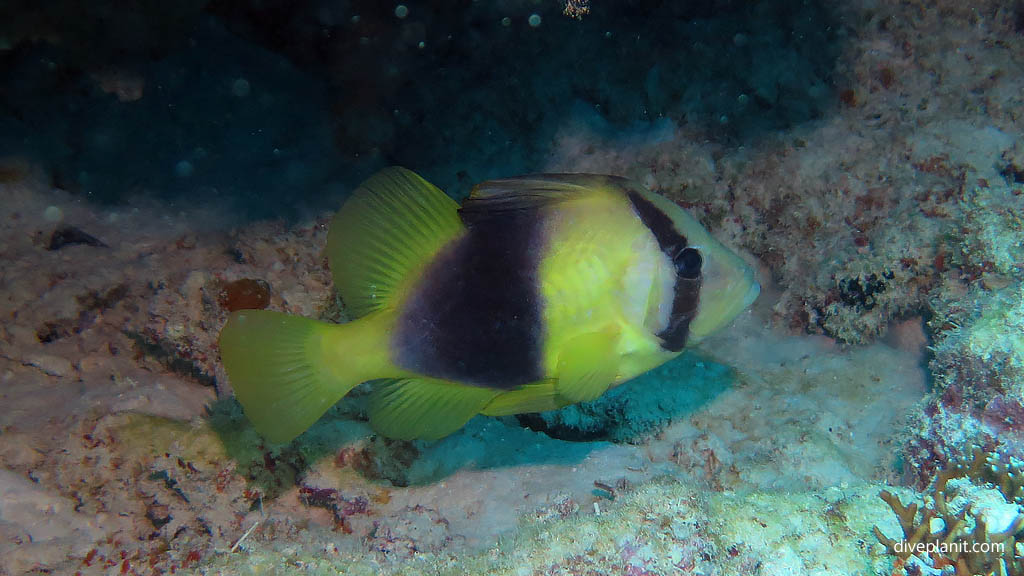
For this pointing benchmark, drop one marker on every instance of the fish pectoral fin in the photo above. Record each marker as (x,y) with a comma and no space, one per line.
(535,397)
(587,365)
(425,408)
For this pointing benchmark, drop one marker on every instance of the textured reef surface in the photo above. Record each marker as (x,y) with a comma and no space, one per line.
(874,393)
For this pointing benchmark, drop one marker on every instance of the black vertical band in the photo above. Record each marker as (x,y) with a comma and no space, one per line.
(476,315)
(687,290)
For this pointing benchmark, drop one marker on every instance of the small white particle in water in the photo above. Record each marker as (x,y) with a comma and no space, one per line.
(506,21)
(53,214)
(534,20)
(401,10)
(184,169)
(421,45)
(241,88)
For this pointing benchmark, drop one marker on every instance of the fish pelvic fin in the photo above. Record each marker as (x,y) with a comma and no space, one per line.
(534,397)
(286,370)
(588,365)
(385,234)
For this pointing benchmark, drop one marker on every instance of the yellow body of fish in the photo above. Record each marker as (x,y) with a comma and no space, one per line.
(539,292)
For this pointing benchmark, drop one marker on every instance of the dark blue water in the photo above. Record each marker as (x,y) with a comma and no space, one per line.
(275,108)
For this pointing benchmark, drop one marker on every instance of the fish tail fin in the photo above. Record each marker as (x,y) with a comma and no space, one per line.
(286,370)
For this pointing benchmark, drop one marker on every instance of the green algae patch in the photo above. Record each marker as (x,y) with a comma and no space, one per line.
(141,435)
(993,248)
(995,225)
(274,468)
(225,437)
(999,331)
(275,561)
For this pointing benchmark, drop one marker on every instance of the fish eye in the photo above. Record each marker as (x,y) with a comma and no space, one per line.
(688,263)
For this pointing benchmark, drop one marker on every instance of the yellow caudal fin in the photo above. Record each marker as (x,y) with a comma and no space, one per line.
(286,370)
(387,231)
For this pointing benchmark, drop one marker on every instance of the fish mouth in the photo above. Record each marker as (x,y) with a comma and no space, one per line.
(729,288)
(752,293)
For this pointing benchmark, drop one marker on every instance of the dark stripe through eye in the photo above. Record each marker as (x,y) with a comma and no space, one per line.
(669,239)
(688,263)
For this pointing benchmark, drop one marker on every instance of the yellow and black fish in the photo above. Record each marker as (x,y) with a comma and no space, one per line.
(539,292)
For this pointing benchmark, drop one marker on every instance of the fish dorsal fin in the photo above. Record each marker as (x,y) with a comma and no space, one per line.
(495,198)
(385,233)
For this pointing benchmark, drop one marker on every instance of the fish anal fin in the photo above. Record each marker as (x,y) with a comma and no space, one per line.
(425,408)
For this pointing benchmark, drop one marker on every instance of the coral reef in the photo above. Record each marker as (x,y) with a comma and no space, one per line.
(978,351)
(908,203)
(975,526)
(856,216)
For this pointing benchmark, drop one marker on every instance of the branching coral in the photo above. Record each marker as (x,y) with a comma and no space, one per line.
(953,529)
